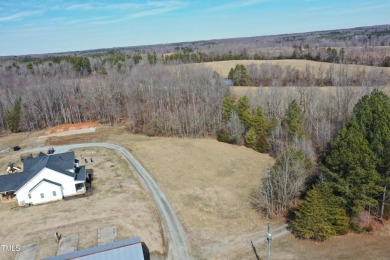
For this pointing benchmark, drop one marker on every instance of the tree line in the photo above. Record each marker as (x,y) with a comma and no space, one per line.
(156,100)
(328,54)
(268,74)
(344,187)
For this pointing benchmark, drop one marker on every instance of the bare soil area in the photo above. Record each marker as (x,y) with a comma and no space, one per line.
(117,199)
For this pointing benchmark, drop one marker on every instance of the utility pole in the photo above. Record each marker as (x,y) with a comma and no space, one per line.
(268,241)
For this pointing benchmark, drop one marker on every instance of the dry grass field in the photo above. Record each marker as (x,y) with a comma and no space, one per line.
(223,67)
(207,183)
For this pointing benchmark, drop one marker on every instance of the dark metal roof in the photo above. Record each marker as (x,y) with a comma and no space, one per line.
(129,249)
(81,173)
(62,163)
(30,162)
(11,182)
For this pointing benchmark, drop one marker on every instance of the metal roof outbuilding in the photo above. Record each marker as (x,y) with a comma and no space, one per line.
(129,249)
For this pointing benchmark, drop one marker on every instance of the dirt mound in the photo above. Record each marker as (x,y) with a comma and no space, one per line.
(67,127)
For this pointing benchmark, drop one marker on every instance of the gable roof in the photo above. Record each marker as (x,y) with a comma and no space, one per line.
(62,163)
(44,180)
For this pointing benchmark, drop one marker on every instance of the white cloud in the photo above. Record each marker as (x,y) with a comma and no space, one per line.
(236,4)
(19,16)
(80,7)
(148,9)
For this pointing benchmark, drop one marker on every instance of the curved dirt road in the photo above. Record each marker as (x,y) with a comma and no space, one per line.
(177,241)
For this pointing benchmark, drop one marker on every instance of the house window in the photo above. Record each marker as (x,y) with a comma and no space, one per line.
(54,193)
(29,196)
(42,196)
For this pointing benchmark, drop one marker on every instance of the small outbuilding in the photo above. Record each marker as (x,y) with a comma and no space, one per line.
(129,249)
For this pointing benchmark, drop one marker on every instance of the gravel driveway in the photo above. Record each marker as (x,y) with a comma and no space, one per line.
(178,247)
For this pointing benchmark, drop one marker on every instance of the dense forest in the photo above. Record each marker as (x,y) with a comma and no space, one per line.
(331,144)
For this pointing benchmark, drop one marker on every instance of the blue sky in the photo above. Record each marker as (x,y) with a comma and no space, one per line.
(45,26)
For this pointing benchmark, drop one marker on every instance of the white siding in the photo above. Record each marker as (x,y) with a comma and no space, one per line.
(67,182)
(45,188)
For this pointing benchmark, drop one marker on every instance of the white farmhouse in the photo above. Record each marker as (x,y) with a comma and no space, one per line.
(44,178)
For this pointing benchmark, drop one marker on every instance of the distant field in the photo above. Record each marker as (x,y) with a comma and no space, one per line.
(384,50)
(328,91)
(223,67)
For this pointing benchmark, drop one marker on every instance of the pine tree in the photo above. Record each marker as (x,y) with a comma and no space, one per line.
(232,75)
(293,120)
(259,122)
(320,216)
(243,75)
(13,116)
(350,168)
(243,110)
(373,116)
(239,75)
(251,138)
(152,58)
(227,107)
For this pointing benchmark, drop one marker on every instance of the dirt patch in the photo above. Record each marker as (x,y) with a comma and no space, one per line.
(101,134)
(77,126)
(117,200)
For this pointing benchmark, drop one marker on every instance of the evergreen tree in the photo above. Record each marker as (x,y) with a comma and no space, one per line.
(152,58)
(350,168)
(243,110)
(261,144)
(227,107)
(13,116)
(223,136)
(242,75)
(293,120)
(239,75)
(251,138)
(373,116)
(260,123)
(232,75)
(256,135)
(320,216)
(137,59)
